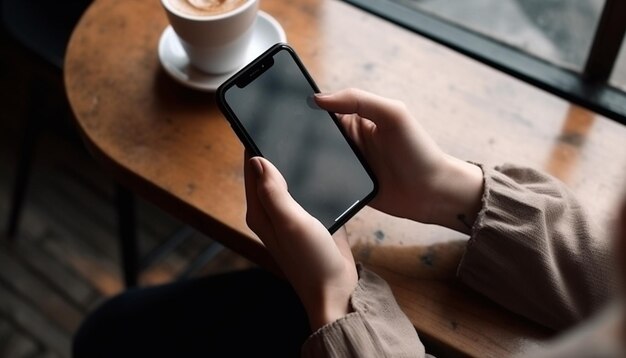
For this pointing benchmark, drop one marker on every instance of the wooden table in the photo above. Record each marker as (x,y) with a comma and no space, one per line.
(172,146)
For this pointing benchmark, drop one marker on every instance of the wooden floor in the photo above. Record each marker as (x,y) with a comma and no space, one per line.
(65,260)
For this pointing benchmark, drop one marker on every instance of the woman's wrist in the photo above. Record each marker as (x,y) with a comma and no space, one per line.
(456,194)
(321,316)
(328,306)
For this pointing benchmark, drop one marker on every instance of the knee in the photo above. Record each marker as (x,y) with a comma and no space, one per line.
(97,333)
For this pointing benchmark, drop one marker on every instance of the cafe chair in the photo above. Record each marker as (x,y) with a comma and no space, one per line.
(40,30)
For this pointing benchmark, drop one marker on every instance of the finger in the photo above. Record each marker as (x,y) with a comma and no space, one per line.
(250,183)
(352,123)
(280,207)
(256,217)
(376,108)
(361,131)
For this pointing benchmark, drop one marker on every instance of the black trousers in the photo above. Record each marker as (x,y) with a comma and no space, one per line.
(242,314)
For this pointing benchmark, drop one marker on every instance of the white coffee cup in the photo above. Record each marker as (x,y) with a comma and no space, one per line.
(215,44)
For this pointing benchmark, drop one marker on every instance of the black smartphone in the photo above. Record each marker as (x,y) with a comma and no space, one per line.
(270,106)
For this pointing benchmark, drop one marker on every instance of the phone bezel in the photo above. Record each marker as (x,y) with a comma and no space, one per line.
(252,71)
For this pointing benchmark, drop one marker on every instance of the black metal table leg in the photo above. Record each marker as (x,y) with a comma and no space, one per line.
(28,143)
(125,203)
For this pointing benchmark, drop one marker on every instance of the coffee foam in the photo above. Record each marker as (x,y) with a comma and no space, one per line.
(205,7)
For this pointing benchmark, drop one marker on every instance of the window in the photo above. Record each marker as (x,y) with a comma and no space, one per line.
(568,47)
(618,79)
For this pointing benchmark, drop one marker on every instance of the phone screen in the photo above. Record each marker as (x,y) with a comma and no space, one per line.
(275,112)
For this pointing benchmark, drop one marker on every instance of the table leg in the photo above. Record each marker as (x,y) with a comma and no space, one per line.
(125,204)
(31,131)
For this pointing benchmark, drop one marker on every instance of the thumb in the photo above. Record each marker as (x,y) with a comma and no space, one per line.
(272,192)
(377,109)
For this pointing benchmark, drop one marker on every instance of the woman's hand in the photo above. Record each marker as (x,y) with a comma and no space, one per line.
(417,180)
(320,267)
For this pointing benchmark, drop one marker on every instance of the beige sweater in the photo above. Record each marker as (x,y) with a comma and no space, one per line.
(532,250)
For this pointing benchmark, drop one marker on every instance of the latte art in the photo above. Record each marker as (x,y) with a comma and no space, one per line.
(205,7)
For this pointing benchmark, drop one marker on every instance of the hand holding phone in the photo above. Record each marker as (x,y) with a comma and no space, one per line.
(417,180)
(270,105)
(320,267)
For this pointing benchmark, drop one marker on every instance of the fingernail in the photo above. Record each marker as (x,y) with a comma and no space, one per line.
(257,167)
(322,95)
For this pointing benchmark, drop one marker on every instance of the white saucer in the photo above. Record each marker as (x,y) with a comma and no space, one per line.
(267,32)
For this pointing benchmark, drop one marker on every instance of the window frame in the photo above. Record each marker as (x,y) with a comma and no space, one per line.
(590,89)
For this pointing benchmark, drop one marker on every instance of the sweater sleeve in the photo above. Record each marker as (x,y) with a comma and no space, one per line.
(376,328)
(533,250)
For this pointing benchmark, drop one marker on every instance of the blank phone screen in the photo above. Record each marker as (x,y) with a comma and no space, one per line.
(278,113)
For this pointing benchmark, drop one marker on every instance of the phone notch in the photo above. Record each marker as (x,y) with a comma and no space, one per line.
(254,72)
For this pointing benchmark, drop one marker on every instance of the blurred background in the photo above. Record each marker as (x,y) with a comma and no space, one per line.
(558,31)
(61,258)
